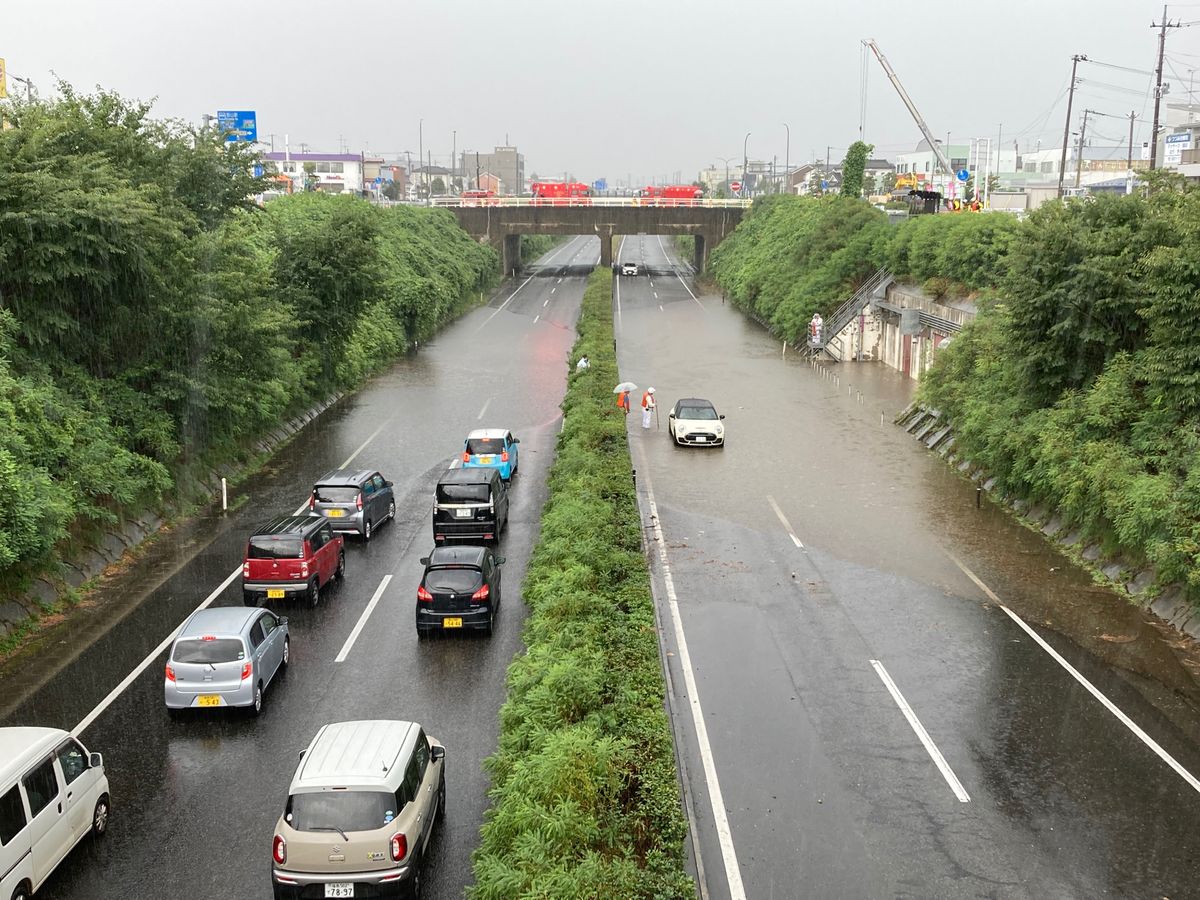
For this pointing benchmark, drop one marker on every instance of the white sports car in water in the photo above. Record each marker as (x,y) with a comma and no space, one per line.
(694,421)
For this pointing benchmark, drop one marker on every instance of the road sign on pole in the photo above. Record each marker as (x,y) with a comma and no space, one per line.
(735,185)
(239,125)
(962,174)
(600,184)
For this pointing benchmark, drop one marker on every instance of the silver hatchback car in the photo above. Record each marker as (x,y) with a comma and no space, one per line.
(226,657)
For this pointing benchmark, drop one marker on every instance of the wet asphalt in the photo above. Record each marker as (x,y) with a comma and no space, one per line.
(818,548)
(195,801)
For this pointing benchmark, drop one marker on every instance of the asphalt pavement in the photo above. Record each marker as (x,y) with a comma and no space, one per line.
(892,692)
(195,801)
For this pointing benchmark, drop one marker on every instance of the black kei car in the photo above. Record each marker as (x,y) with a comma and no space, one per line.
(470,506)
(459,590)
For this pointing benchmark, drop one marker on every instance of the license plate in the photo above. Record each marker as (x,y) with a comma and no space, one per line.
(339,889)
(335,513)
(464,513)
(700,439)
(208,700)
(487,460)
(452,623)
(274,593)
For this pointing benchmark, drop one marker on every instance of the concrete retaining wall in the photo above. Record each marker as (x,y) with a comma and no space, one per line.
(1167,602)
(112,545)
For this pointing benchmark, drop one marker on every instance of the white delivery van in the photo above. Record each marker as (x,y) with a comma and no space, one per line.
(53,793)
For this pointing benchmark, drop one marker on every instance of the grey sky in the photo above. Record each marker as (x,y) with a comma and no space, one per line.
(606,89)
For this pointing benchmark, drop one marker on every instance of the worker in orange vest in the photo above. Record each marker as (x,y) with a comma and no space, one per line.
(623,402)
(647,407)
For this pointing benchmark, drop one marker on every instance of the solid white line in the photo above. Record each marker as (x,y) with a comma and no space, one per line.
(930,746)
(362,620)
(1091,688)
(786,524)
(724,836)
(485,406)
(618,281)
(677,275)
(154,654)
(363,445)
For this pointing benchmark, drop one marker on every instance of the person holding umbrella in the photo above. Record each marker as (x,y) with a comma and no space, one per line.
(647,407)
(622,391)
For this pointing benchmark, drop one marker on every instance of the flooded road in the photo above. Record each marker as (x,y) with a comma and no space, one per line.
(195,801)
(877,723)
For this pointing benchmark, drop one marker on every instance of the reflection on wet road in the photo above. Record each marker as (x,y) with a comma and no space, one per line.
(195,801)
(810,560)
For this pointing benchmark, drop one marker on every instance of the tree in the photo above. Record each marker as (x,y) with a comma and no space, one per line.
(438,186)
(853,168)
(887,182)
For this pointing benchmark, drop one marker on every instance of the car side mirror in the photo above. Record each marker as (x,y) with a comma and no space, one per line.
(388,483)
(516,440)
(424,560)
(671,414)
(722,417)
(499,560)
(95,761)
(302,752)
(283,620)
(437,752)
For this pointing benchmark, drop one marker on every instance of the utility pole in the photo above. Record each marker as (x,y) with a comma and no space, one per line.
(1079,158)
(745,164)
(454,157)
(1062,162)
(421,148)
(787,155)
(1158,82)
(1132,116)
(477,172)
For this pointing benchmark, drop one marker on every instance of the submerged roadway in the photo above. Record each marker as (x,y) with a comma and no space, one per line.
(195,801)
(891,693)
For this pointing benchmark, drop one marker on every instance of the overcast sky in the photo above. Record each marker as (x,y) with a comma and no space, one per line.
(646,88)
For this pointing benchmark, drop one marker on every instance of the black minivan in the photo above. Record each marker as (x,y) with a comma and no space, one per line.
(470,505)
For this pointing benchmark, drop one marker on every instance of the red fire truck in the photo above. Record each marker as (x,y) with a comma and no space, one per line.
(561,193)
(672,195)
(478,198)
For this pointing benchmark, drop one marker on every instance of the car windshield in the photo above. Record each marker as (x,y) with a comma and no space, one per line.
(476,446)
(454,581)
(269,547)
(344,810)
(326,493)
(216,650)
(696,412)
(462,493)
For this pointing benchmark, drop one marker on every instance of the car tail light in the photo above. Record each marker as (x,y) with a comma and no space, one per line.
(279,849)
(504,456)
(399,846)
(358,501)
(312,500)
(246,568)
(424,595)
(466,456)
(247,668)
(488,536)
(170,673)
(481,594)
(304,568)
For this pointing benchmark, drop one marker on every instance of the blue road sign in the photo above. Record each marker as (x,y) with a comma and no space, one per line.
(258,171)
(239,125)
(962,174)
(824,185)
(600,184)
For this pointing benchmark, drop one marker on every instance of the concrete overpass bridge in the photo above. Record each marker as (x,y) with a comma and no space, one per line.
(502,220)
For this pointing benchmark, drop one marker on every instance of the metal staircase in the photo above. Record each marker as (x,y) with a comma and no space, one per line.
(831,342)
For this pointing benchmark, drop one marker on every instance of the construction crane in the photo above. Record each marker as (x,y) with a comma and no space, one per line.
(912,109)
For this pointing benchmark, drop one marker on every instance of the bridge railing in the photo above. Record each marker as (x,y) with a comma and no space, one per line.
(657,202)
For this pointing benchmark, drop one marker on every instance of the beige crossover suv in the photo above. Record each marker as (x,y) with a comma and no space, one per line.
(360,812)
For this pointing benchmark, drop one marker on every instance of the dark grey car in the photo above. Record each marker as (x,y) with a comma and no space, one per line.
(353,500)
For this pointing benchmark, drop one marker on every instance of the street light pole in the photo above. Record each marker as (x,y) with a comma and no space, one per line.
(787,154)
(745,161)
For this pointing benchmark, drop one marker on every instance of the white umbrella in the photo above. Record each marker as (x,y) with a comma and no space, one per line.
(624,386)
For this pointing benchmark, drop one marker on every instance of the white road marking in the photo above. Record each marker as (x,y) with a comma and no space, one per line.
(497,310)
(783,520)
(362,620)
(145,663)
(485,406)
(930,746)
(1075,673)
(535,318)
(660,309)
(363,445)
(724,836)
(617,281)
(655,294)
(560,280)
(677,275)
(547,303)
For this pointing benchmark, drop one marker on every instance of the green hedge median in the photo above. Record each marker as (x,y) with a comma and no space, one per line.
(585,794)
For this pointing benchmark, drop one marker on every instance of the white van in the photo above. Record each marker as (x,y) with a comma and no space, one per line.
(53,793)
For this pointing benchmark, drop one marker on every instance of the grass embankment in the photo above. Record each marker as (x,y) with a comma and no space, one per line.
(585,794)
(535,245)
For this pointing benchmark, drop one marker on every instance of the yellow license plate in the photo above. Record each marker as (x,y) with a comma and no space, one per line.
(335,513)
(452,623)
(208,700)
(274,593)
(486,460)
